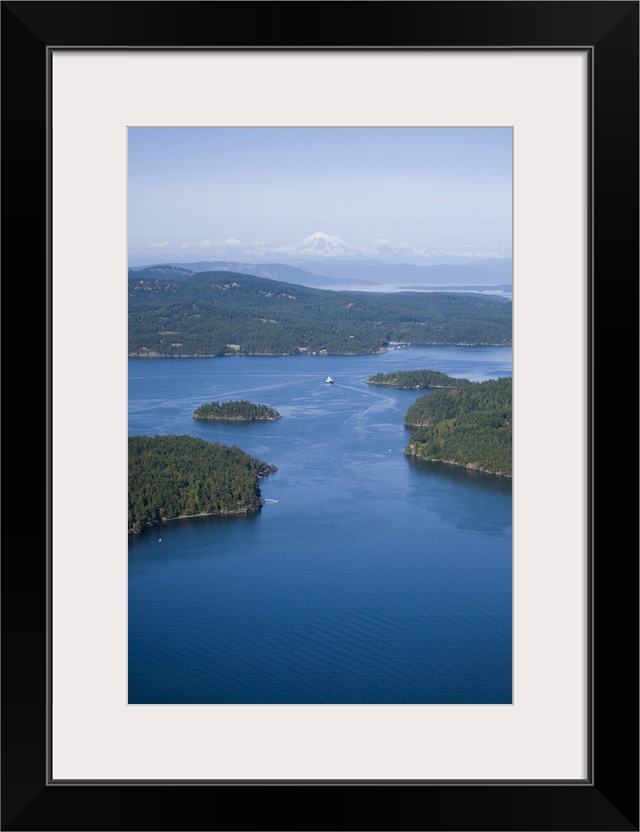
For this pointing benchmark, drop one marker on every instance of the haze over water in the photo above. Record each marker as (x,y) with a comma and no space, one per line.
(368,577)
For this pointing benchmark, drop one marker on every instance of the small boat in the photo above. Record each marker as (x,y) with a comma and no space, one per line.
(329,380)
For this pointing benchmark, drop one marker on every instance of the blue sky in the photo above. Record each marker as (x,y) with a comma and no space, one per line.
(191,189)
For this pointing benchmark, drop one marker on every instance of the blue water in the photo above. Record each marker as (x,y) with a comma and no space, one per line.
(373,578)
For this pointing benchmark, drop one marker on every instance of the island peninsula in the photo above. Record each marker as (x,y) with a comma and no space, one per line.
(182,476)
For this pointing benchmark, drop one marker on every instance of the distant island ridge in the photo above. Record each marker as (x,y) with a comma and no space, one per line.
(477,276)
(227,313)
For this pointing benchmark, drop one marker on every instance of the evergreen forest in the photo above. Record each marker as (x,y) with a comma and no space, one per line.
(469,425)
(416,379)
(179,476)
(236,411)
(226,313)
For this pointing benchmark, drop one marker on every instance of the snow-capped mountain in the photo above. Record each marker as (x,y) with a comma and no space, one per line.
(320,244)
(319,247)
(324,246)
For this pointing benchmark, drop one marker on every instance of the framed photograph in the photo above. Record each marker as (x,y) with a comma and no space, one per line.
(312,378)
(118,116)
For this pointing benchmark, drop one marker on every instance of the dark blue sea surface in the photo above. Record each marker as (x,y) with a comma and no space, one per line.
(367,577)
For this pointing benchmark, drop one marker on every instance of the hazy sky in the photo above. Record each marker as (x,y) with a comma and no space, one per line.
(442,188)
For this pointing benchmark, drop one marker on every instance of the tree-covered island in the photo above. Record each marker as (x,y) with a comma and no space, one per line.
(182,476)
(416,380)
(469,425)
(236,411)
(227,313)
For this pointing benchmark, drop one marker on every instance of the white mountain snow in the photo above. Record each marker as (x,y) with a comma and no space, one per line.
(323,247)
(320,244)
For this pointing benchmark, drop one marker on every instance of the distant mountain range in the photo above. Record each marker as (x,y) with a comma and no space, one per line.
(326,246)
(272,271)
(364,274)
(320,247)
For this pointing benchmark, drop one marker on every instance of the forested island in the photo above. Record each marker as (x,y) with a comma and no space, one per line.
(469,425)
(416,380)
(227,313)
(181,476)
(236,411)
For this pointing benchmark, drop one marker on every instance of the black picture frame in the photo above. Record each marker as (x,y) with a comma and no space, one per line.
(608,798)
